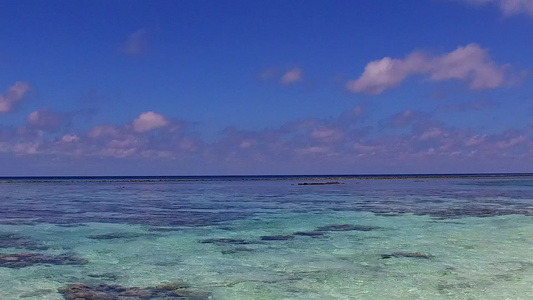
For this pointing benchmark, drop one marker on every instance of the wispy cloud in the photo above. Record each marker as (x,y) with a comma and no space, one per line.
(477,105)
(511,142)
(45,119)
(404,118)
(267,74)
(136,43)
(103,131)
(70,138)
(132,139)
(476,140)
(313,150)
(304,145)
(326,134)
(281,75)
(507,7)
(13,95)
(431,133)
(470,63)
(50,120)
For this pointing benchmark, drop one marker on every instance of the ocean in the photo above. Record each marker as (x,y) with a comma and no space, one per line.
(267,237)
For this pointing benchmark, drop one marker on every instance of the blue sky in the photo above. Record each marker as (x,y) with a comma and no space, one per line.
(265,87)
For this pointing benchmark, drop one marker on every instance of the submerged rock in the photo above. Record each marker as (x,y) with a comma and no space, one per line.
(70,225)
(106,276)
(407,254)
(115,235)
(388,214)
(169,291)
(224,241)
(12,240)
(312,233)
(164,229)
(319,183)
(173,286)
(236,250)
(21,260)
(276,237)
(346,227)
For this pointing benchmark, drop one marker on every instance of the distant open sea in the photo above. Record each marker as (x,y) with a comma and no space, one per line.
(467,236)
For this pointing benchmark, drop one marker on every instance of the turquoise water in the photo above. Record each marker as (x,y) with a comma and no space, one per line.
(409,239)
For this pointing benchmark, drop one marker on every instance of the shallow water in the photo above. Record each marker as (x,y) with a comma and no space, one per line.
(471,238)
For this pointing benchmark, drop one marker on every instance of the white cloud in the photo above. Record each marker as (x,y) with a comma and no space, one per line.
(431,133)
(470,63)
(292,76)
(45,119)
(25,148)
(326,134)
(245,144)
(313,150)
(476,140)
(69,138)
(120,148)
(148,121)
(511,142)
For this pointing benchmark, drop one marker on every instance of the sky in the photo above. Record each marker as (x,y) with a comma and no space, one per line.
(265,87)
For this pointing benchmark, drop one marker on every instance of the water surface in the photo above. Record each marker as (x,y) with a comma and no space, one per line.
(412,238)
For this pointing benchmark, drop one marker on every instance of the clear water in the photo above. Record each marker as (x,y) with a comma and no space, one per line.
(477,233)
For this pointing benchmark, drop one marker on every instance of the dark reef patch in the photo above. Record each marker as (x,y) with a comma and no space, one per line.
(225,241)
(388,214)
(236,250)
(312,233)
(12,240)
(79,291)
(164,229)
(406,255)
(346,227)
(276,237)
(116,235)
(21,260)
(69,225)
